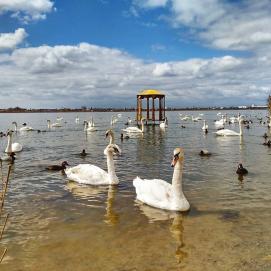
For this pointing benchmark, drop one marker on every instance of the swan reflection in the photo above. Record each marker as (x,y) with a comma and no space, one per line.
(176,228)
(96,194)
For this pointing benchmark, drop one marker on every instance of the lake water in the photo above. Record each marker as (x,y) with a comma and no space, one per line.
(56,225)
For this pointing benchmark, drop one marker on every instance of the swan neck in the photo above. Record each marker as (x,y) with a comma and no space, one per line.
(177,179)
(241,128)
(113,179)
(112,139)
(142,126)
(9,145)
(15,126)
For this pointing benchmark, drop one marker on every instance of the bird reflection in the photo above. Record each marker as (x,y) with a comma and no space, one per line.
(111,217)
(176,228)
(93,192)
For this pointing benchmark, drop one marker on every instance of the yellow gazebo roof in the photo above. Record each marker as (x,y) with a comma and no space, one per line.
(150,92)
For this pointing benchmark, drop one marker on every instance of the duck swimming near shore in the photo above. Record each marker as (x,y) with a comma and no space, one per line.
(83,153)
(241,170)
(58,167)
(205,153)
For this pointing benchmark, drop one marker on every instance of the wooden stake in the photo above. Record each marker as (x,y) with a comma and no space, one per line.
(5,223)
(3,255)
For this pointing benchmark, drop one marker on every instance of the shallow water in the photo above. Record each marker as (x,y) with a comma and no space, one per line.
(59,225)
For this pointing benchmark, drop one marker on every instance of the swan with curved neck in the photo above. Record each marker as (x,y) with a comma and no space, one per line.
(51,125)
(161,194)
(205,126)
(109,133)
(134,129)
(22,129)
(227,132)
(12,147)
(91,126)
(90,174)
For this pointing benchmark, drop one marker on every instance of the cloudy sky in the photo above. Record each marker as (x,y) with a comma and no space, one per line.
(56,53)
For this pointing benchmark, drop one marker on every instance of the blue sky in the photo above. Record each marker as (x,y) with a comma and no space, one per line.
(93,53)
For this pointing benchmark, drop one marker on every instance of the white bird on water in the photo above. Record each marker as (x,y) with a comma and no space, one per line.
(161,194)
(91,174)
(227,132)
(12,147)
(134,129)
(25,128)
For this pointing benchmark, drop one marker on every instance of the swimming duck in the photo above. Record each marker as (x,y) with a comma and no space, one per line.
(58,167)
(122,136)
(241,170)
(205,153)
(83,153)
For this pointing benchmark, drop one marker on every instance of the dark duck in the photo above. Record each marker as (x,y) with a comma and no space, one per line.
(58,167)
(241,170)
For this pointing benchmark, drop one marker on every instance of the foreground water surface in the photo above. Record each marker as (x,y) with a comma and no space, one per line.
(56,224)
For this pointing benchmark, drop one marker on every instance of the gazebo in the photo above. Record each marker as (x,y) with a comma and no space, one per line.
(153,113)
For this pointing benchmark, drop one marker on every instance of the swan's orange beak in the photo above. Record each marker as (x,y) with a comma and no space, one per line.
(174,160)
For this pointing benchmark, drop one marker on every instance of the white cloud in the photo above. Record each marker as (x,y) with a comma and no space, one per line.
(234,25)
(91,75)
(27,10)
(11,40)
(150,3)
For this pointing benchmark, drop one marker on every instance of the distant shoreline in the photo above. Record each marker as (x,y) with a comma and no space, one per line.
(69,110)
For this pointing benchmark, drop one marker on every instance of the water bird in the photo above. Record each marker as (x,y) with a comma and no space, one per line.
(55,124)
(122,136)
(22,129)
(110,134)
(163,124)
(58,167)
(205,153)
(241,170)
(91,174)
(183,126)
(227,132)
(129,121)
(268,143)
(8,157)
(83,153)
(159,193)
(134,129)
(265,136)
(12,147)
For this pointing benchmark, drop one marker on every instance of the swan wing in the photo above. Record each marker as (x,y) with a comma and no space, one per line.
(154,192)
(132,130)
(87,174)
(16,147)
(226,132)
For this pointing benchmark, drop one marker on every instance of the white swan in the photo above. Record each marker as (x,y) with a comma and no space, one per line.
(90,174)
(77,120)
(12,147)
(161,194)
(205,126)
(134,129)
(114,119)
(227,132)
(163,124)
(56,124)
(91,126)
(22,129)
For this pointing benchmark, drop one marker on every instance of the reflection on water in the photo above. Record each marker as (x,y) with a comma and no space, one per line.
(60,225)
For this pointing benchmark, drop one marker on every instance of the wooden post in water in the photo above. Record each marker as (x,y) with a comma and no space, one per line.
(5,182)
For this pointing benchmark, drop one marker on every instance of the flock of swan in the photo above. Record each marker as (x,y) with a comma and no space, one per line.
(154,192)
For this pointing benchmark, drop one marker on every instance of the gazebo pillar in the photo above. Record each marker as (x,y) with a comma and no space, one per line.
(148,108)
(153,109)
